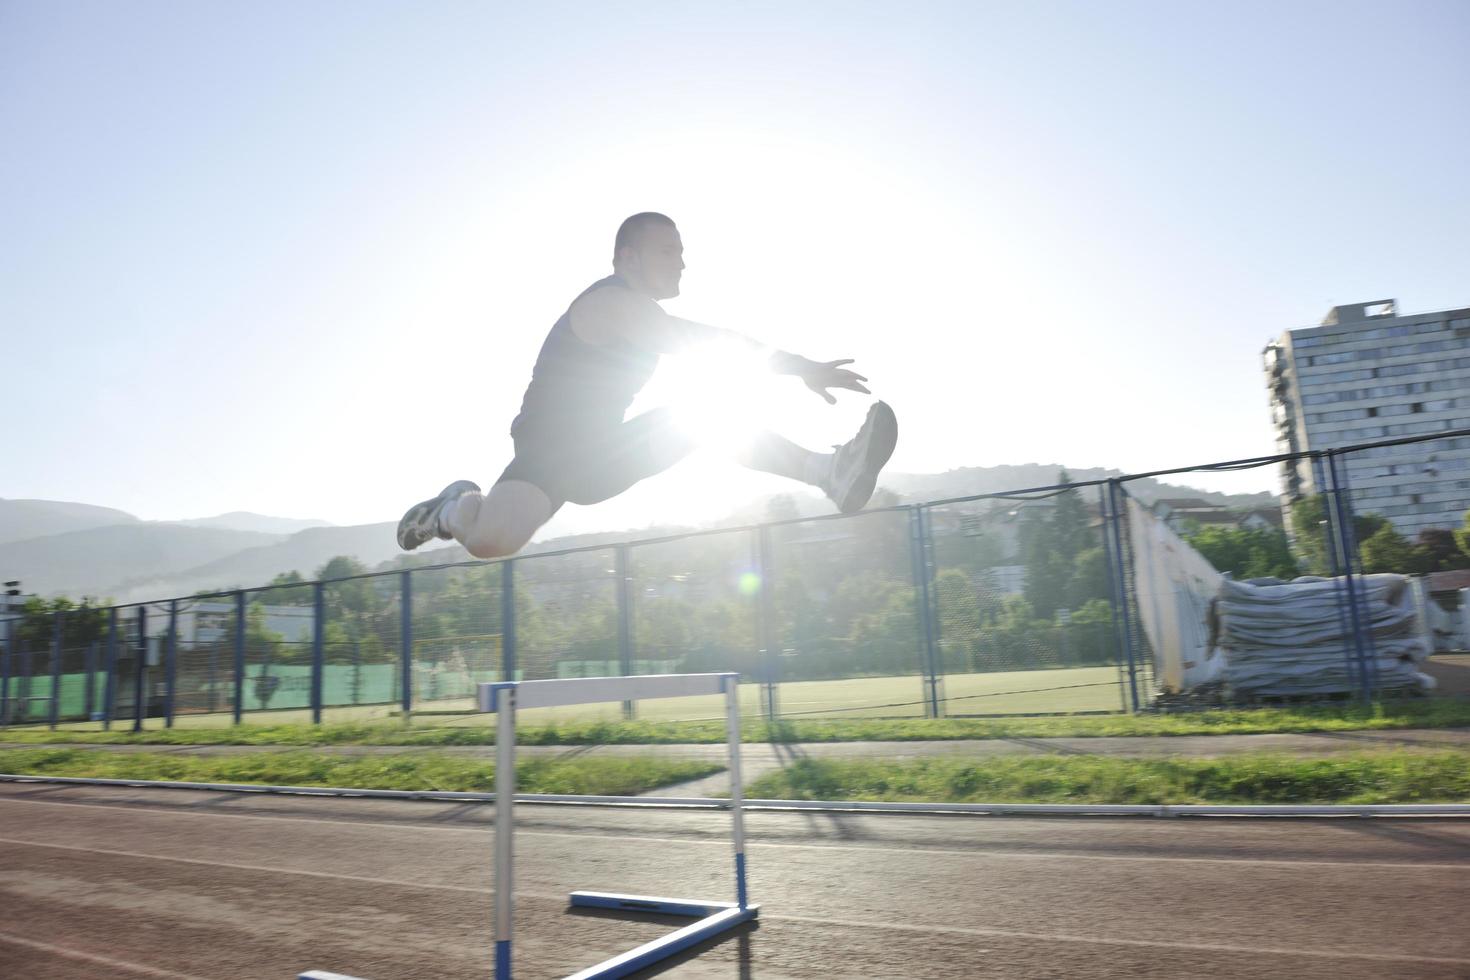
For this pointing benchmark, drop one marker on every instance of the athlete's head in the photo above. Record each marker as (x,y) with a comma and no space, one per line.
(649,254)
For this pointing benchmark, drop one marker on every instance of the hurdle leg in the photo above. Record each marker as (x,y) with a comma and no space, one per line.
(737,786)
(505,791)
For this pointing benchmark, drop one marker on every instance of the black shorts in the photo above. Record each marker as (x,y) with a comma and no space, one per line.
(584,463)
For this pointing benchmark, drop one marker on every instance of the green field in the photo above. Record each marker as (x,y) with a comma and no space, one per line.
(1066,690)
(1341,717)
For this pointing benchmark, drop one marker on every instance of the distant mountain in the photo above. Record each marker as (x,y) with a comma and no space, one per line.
(972,480)
(77,549)
(95,562)
(23,519)
(241,520)
(304,552)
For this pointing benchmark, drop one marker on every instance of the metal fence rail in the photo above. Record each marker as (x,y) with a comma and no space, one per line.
(1017,601)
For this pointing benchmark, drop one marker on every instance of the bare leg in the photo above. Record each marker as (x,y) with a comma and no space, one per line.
(848,476)
(771,453)
(500,522)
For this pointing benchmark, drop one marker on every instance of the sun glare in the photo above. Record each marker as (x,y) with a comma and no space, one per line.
(719,393)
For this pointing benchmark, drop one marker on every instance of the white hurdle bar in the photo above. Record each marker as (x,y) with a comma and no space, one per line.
(505,699)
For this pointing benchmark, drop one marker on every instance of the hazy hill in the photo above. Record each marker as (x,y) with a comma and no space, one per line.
(132,560)
(241,520)
(22,519)
(304,552)
(96,561)
(970,480)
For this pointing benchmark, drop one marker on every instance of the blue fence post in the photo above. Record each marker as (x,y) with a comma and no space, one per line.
(923,606)
(212,695)
(239,668)
(318,648)
(171,664)
(5,653)
(1107,543)
(1358,610)
(405,640)
(56,633)
(1334,571)
(934,683)
(140,672)
(25,679)
(508,619)
(1134,625)
(766,617)
(1114,525)
(89,696)
(109,687)
(625,620)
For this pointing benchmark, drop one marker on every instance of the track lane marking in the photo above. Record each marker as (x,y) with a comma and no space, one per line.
(724,842)
(979,931)
(107,961)
(237,866)
(1057,937)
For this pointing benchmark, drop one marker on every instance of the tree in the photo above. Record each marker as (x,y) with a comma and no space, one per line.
(1441,550)
(1246,553)
(1386,550)
(782,507)
(1309,524)
(1070,535)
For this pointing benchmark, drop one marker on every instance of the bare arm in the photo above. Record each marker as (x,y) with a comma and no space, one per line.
(607,316)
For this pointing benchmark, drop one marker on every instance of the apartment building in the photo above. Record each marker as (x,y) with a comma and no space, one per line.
(1369,373)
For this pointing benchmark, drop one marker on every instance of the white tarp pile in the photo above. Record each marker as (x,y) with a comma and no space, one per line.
(1296,637)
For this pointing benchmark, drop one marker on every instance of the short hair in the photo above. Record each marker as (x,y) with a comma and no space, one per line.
(628,231)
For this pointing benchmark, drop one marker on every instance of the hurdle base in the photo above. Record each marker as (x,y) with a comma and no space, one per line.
(714,918)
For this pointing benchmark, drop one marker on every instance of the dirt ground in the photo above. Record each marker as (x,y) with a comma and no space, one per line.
(121,883)
(1451,672)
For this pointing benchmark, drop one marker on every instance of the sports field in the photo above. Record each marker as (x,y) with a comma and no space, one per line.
(1075,689)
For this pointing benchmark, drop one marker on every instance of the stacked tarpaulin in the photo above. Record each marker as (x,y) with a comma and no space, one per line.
(1297,638)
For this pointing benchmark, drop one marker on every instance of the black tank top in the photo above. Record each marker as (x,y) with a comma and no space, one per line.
(580,385)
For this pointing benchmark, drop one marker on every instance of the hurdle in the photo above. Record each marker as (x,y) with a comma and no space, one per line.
(713,917)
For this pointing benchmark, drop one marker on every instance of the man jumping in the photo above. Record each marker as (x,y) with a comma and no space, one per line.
(571,440)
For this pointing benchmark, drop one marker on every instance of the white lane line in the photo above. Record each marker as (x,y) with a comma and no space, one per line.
(724,842)
(107,961)
(267,869)
(803,919)
(1057,937)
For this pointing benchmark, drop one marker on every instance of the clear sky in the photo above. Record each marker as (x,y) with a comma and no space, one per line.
(298,258)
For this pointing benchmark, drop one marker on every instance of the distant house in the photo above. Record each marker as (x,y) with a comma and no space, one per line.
(1262,519)
(204,621)
(1183,512)
(1179,512)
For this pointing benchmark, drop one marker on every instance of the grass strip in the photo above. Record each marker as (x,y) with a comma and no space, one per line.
(410,771)
(1430,713)
(1361,778)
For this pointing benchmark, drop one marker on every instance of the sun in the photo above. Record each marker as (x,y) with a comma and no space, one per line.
(720,394)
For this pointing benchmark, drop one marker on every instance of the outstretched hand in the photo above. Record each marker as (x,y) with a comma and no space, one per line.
(821,375)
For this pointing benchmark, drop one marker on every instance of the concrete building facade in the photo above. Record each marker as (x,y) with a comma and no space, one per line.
(1369,373)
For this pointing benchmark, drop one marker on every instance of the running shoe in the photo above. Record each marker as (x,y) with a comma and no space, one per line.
(421,523)
(855,465)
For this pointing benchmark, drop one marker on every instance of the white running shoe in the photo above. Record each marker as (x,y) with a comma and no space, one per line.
(421,523)
(855,465)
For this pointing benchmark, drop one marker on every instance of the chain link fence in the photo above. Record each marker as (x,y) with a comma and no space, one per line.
(1091,596)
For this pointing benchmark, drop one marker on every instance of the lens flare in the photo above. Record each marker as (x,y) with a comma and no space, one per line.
(718,393)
